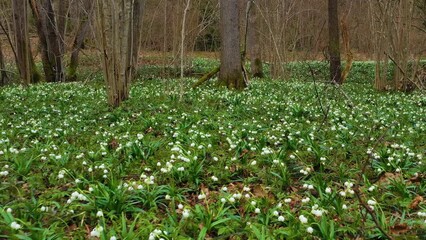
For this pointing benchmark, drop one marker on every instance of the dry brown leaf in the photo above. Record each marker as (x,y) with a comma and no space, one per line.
(399,229)
(259,191)
(416,201)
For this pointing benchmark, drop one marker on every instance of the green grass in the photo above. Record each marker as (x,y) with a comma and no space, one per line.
(211,163)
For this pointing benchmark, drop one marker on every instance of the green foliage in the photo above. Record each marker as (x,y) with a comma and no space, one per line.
(264,163)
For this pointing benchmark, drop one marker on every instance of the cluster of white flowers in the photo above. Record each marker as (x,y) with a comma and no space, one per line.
(348,189)
(156,234)
(317,211)
(306,170)
(4,172)
(15,225)
(76,196)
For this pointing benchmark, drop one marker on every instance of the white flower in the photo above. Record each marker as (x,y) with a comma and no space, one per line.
(223,200)
(185,213)
(287,200)
(276,213)
(113,238)
(214,178)
(281,219)
(371,188)
(15,225)
(232,199)
(344,206)
(96,232)
(9,210)
(303,219)
(99,213)
(257,210)
(328,190)
(371,202)
(310,230)
(201,196)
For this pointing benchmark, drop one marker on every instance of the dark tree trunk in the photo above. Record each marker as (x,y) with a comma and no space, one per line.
(253,46)
(136,24)
(47,31)
(24,59)
(4,78)
(334,45)
(83,31)
(53,40)
(230,58)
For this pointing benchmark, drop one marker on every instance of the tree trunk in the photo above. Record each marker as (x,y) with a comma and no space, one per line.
(82,32)
(253,46)
(138,10)
(114,25)
(4,78)
(53,40)
(47,32)
(334,44)
(24,59)
(63,7)
(230,58)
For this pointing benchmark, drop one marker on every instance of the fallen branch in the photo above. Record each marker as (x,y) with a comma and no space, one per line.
(206,77)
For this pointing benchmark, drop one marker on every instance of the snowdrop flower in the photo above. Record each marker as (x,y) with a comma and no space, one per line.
(287,200)
(96,232)
(185,213)
(223,200)
(281,219)
(303,219)
(371,202)
(309,230)
(344,206)
(201,196)
(276,213)
(328,190)
(214,178)
(371,188)
(15,225)
(180,206)
(113,238)
(305,200)
(99,213)
(257,210)
(9,210)
(253,163)
(253,203)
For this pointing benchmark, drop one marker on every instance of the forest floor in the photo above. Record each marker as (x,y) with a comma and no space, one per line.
(280,160)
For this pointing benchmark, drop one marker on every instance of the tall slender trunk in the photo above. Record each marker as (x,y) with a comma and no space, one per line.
(4,78)
(63,7)
(253,45)
(80,37)
(25,61)
(334,44)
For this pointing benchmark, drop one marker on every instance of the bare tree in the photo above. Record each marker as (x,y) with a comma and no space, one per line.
(231,74)
(83,30)
(115,20)
(334,43)
(24,59)
(50,41)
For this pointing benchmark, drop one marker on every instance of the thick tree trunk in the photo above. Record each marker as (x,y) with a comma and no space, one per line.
(63,7)
(334,44)
(135,31)
(253,45)
(24,59)
(51,55)
(82,32)
(230,58)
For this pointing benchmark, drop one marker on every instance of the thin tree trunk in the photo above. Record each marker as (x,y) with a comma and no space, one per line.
(25,61)
(4,78)
(63,7)
(253,45)
(83,31)
(334,44)
(138,11)
(182,39)
(230,58)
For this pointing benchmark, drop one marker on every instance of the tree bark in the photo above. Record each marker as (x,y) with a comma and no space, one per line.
(24,60)
(63,7)
(135,31)
(334,44)
(230,58)
(253,45)
(114,25)
(82,32)
(4,78)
